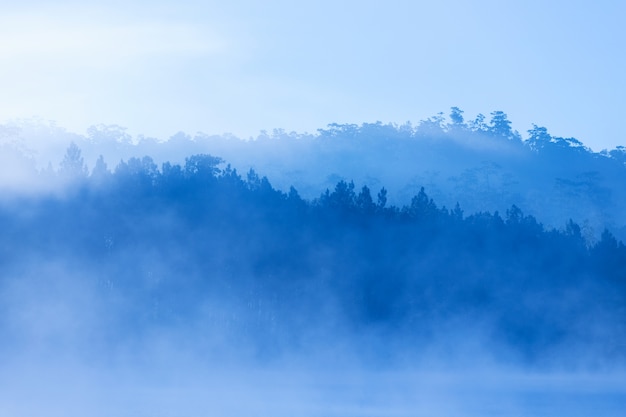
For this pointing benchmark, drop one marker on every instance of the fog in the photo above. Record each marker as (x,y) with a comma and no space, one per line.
(484,166)
(169,285)
(60,358)
(288,392)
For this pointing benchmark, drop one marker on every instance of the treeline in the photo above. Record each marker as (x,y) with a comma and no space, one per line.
(482,163)
(165,245)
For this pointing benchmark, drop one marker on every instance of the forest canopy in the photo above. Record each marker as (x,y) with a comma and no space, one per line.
(481,163)
(162,242)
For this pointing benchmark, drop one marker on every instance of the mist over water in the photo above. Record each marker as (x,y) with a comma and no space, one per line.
(182,288)
(170,388)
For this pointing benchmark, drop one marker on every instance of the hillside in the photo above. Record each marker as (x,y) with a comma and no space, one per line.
(482,166)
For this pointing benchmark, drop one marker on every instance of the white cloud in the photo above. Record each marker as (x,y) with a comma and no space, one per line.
(82,41)
(90,65)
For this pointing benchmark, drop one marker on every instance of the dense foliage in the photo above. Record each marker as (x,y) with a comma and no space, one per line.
(483,163)
(200,247)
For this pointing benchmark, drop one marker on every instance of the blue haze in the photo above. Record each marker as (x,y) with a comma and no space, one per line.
(179,281)
(142,277)
(242,66)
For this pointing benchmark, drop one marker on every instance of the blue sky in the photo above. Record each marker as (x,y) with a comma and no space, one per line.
(158,67)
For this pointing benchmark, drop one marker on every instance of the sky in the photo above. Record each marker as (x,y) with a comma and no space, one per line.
(158,67)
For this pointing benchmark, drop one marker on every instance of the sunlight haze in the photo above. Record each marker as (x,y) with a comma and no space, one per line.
(162,67)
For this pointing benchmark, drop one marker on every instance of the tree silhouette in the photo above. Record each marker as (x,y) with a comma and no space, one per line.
(500,125)
(456,116)
(364,202)
(73,164)
(382,198)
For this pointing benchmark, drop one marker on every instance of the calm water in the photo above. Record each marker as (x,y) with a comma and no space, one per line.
(189,393)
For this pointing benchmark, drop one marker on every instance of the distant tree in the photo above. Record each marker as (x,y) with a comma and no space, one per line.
(500,125)
(456,116)
(432,127)
(607,244)
(336,130)
(180,139)
(364,202)
(514,215)
(172,180)
(382,198)
(73,164)
(406,130)
(256,183)
(457,212)
(422,207)
(573,230)
(202,166)
(171,173)
(229,177)
(609,257)
(253,180)
(101,134)
(344,196)
(140,174)
(538,137)
(619,154)
(478,124)
(101,167)
(293,197)
(100,171)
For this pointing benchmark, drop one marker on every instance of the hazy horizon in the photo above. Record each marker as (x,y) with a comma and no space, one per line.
(158,67)
(430,224)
